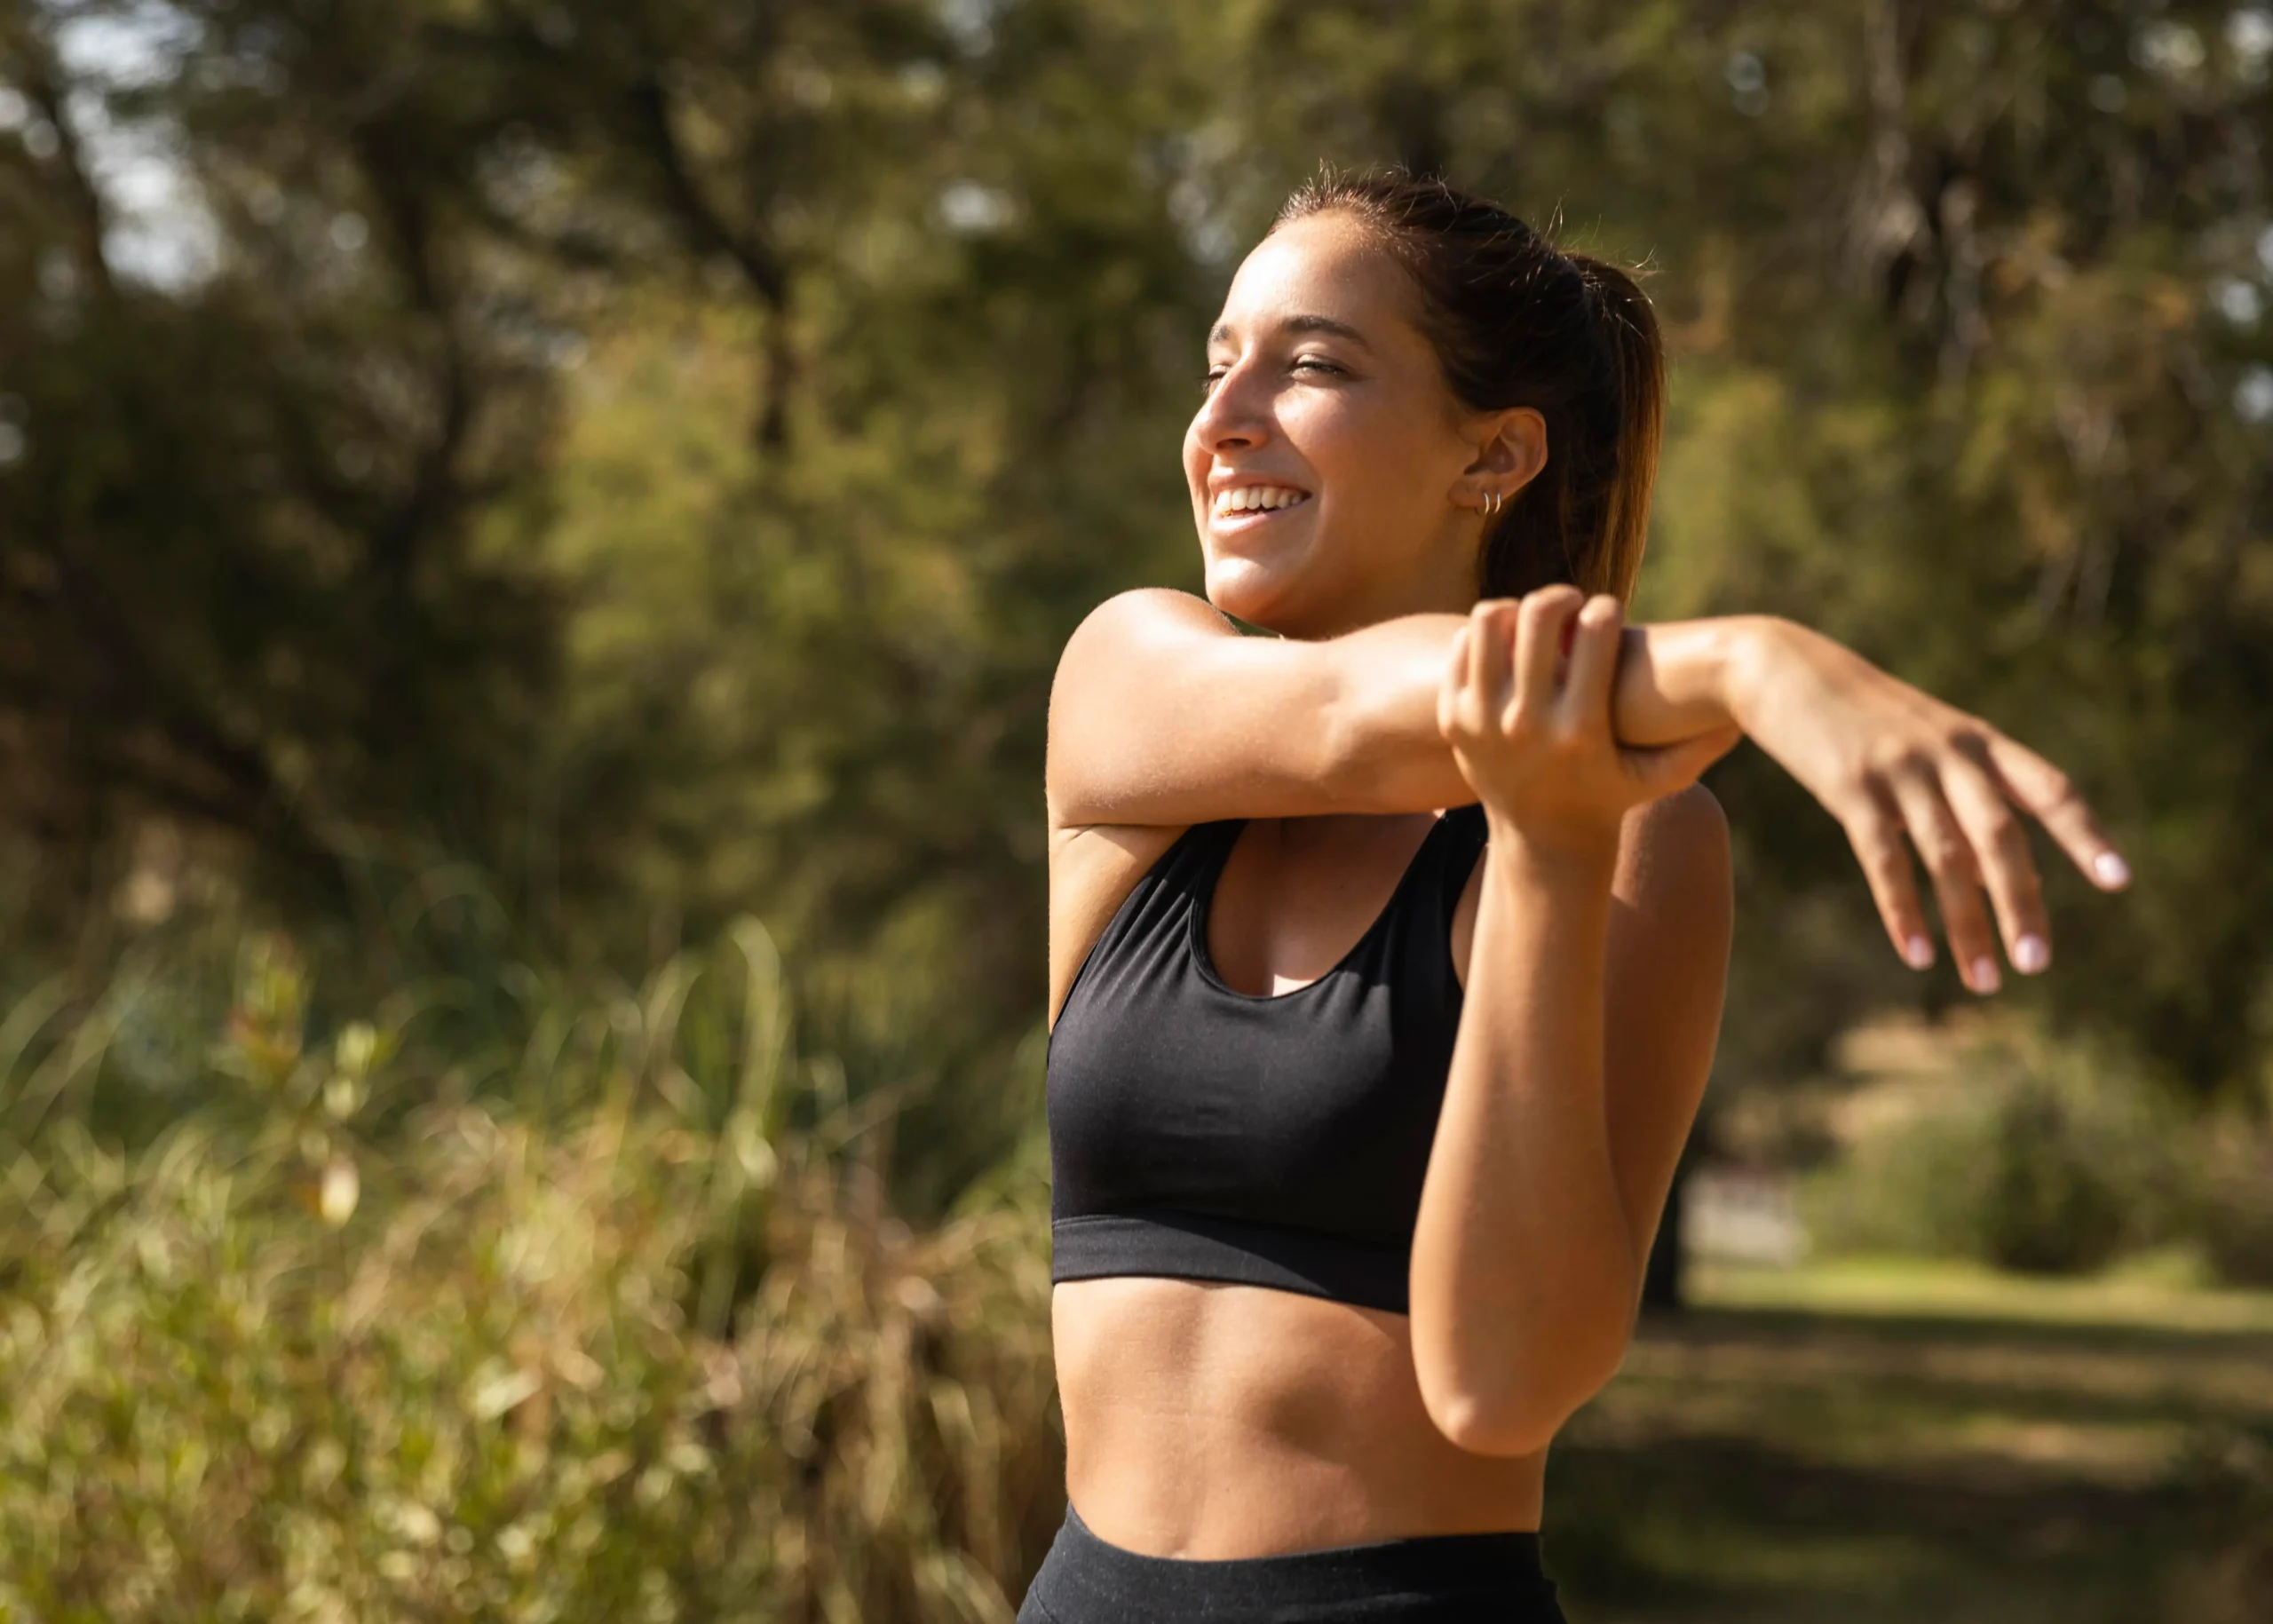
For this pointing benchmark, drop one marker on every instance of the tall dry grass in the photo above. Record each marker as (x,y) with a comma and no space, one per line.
(616,1325)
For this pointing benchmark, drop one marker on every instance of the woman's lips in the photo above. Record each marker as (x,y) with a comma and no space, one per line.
(1244,507)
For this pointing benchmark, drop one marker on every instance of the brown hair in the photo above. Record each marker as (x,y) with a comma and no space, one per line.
(1516,321)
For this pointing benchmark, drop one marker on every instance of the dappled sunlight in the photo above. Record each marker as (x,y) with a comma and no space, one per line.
(1919,1453)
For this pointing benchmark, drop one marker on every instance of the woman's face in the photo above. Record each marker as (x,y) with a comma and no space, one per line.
(1334,478)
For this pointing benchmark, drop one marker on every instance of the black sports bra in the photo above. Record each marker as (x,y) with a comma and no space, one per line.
(1203,1133)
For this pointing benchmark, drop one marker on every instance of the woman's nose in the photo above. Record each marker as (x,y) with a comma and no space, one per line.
(1235,413)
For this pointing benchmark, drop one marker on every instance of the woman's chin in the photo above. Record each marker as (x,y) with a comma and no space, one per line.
(1247,591)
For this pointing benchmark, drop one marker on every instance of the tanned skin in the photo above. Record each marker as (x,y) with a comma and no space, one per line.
(1206,1420)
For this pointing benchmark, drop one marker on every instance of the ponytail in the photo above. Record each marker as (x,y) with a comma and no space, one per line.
(1629,332)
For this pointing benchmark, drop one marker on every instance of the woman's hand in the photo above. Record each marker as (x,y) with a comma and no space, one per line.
(1531,728)
(1889,760)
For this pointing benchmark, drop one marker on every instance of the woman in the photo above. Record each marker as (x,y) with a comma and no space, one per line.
(1363,1111)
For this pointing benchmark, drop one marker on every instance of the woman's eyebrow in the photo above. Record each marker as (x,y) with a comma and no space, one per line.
(1221,331)
(1326,324)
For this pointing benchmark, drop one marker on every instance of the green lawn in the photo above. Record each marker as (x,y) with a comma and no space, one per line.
(1862,1442)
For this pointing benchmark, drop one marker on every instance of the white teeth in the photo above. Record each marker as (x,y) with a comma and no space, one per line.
(1248,498)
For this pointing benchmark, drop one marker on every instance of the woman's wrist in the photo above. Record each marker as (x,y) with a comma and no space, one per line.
(1679,678)
(1578,860)
(1746,662)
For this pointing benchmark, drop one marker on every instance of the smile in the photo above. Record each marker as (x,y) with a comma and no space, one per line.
(1241,502)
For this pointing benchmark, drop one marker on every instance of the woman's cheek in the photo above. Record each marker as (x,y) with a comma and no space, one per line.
(1359,451)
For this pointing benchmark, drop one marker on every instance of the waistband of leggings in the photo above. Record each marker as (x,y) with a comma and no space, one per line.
(1433,1565)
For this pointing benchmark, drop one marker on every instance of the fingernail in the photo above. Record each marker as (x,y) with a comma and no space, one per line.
(2110,870)
(2031,955)
(1918,952)
(1985,978)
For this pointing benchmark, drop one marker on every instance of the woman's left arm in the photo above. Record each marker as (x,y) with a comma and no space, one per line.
(1891,763)
(1596,974)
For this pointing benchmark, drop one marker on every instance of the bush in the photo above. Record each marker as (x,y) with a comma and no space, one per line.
(2236,1213)
(1911,1187)
(2055,1196)
(2037,1156)
(634,1348)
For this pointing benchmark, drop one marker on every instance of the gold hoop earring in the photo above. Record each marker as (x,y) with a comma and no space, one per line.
(1493,502)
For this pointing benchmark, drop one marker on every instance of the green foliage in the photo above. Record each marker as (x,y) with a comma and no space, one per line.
(639,1345)
(2235,1211)
(2054,1204)
(642,462)
(1906,1188)
(2051,1156)
(2037,1156)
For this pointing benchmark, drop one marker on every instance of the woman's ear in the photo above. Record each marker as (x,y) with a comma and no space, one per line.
(1511,449)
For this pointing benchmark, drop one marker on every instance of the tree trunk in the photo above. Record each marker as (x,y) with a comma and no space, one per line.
(1661,1277)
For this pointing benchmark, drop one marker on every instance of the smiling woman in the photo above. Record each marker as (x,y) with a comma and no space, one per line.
(1387,955)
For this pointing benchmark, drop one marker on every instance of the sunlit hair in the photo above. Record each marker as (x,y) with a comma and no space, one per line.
(1516,321)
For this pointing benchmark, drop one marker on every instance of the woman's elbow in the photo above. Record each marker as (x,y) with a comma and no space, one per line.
(1478,1426)
(1518,1406)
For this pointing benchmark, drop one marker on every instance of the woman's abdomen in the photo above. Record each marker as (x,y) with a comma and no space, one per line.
(1211,1421)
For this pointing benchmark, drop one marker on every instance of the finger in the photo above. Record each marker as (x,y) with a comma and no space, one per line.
(1480,643)
(1875,832)
(1448,690)
(1593,656)
(2051,797)
(1538,646)
(1456,656)
(1476,666)
(1663,768)
(1488,676)
(1941,846)
(2007,867)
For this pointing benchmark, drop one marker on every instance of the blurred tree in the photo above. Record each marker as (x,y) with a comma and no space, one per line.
(240,581)
(652,455)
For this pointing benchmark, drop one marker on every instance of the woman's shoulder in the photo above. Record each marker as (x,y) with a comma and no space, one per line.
(1141,618)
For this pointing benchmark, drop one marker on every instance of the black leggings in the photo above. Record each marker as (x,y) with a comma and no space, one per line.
(1438,1578)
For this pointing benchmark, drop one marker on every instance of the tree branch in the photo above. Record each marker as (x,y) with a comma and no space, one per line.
(760,266)
(45,84)
(436,490)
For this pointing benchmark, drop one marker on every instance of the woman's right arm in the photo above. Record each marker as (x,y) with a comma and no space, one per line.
(1163,714)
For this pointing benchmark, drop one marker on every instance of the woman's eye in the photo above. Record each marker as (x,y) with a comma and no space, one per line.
(1317,364)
